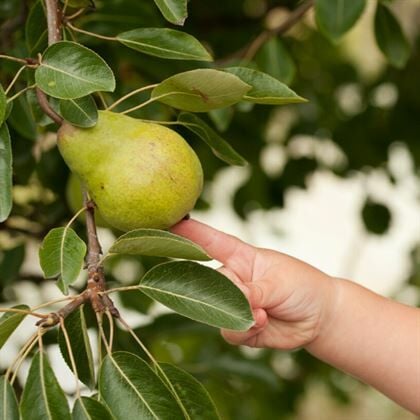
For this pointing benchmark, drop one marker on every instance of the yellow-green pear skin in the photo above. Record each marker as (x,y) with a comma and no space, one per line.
(140,174)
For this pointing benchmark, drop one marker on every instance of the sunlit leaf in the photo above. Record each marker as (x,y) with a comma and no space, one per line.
(390,37)
(198,292)
(70,71)
(157,243)
(6,201)
(265,89)
(9,322)
(76,328)
(132,390)
(165,43)
(201,90)
(174,11)
(86,408)
(194,397)
(222,149)
(61,255)
(336,17)
(81,112)
(9,409)
(42,396)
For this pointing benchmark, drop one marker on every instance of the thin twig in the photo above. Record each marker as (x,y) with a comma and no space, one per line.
(18,73)
(102,333)
(54,17)
(120,289)
(21,351)
(149,101)
(111,328)
(52,302)
(23,311)
(71,356)
(12,98)
(134,92)
(93,34)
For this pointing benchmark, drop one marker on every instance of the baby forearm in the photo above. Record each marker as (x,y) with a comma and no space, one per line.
(374,339)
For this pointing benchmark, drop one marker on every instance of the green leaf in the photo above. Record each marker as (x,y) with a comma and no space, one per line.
(157,243)
(42,397)
(9,409)
(3,105)
(390,37)
(199,293)
(6,182)
(81,112)
(70,71)
(9,322)
(274,59)
(165,43)
(335,17)
(21,118)
(194,397)
(265,89)
(10,264)
(132,390)
(221,118)
(174,11)
(222,149)
(61,254)
(36,33)
(76,328)
(201,90)
(87,408)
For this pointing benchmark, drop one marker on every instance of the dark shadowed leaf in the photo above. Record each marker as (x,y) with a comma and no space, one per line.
(9,322)
(222,149)
(61,255)
(194,397)
(265,89)
(201,90)
(70,71)
(42,396)
(76,328)
(81,112)
(5,173)
(9,409)
(132,390)
(36,34)
(198,292)
(274,59)
(11,263)
(21,118)
(86,408)
(165,43)
(390,37)
(157,243)
(174,11)
(3,105)
(221,117)
(336,17)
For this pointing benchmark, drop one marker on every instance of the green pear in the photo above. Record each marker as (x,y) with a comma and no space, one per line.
(140,174)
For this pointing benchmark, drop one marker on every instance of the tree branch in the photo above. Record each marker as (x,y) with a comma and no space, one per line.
(46,107)
(54,20)
(248,51)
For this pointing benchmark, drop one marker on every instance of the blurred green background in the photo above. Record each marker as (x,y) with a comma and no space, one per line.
(334,182)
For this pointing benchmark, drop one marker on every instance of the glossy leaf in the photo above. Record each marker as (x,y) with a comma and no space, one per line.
(132,390)
(3,105)
(76,328)
(201,90)
(9,322)
(274,59)
(9,409)
(86,408)
(265,89)
(222,149)
(174,11)
(81,112)
(6,201)
(70,71)
(194,397)
(336,17)
(165,43)
(390,37)
(157,243)
(42,396)
(61,255)
(198,292)
(36,33)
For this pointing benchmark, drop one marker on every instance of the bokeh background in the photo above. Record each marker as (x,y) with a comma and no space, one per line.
(334,182)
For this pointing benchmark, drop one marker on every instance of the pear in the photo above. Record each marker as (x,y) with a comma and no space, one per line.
(139,174)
